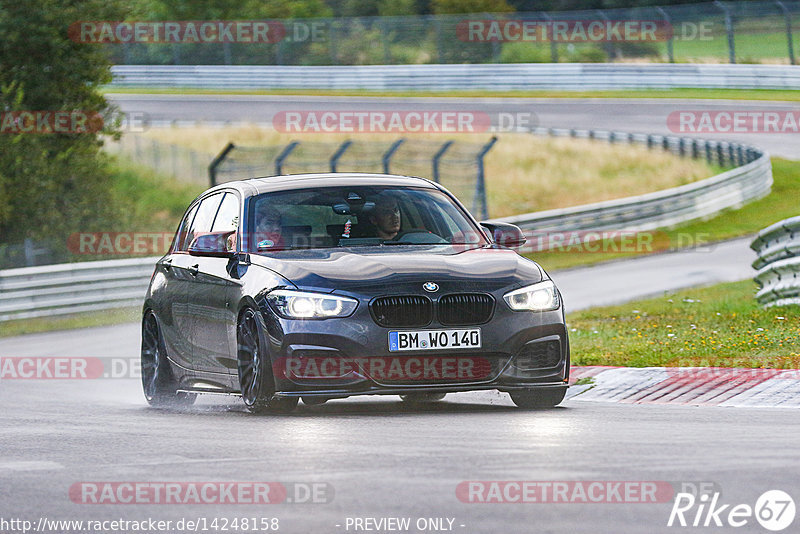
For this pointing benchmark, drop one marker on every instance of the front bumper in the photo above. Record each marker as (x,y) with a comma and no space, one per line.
(351,347)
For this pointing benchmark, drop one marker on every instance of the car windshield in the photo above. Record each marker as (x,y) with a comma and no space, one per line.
(357,216)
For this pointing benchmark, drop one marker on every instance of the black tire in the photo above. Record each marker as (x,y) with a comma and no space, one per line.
(158,383)
(422,398)
(256,382)
(538,398)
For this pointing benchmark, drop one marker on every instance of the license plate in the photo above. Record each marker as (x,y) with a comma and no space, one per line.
(435,339)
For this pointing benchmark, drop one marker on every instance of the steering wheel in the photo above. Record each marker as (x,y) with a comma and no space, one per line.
(419,236)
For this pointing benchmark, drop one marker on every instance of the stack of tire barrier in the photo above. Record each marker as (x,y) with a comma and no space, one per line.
(778,263)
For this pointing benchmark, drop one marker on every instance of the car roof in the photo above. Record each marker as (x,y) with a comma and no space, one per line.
(288,182)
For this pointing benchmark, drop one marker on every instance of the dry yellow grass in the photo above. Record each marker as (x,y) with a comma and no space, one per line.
(524,172)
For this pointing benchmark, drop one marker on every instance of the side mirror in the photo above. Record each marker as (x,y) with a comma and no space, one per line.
(214,244)
(507,235)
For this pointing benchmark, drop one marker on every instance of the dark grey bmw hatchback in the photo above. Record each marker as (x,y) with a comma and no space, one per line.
(324,286)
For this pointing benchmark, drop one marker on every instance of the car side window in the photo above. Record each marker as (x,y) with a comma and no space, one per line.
(227,219)
(181,242)
(204,218)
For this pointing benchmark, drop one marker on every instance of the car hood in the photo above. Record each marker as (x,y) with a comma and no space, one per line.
(386,270)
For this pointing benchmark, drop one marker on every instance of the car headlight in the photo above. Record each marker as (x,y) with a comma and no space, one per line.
(537,297)
(302,305)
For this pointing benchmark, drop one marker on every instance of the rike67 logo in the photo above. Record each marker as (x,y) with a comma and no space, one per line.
(774,510)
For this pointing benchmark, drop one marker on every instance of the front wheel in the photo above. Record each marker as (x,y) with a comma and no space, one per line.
(538,398)
(158,382)
(255,374)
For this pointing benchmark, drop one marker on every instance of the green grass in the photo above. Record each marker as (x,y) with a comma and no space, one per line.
(780,204)
(21,327)
(718,326)
(714,94)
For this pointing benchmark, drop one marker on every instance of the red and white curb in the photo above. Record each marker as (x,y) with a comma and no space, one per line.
(700,386)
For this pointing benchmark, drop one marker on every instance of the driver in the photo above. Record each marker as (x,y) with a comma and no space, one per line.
(268,228)
(386,216)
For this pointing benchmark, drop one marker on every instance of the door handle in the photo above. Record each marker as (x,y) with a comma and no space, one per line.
(194,269)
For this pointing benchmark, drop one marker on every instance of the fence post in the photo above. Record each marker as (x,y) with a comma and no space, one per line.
(387,55)
(480,185)
(226,52)
(387,156)
(788,18)
(339,153)
(437,27)
(610,50)
(728,29)
(553,43)
(666,18)
(437,157)
(332,41)
(709,157)
(212,167)
(283,155)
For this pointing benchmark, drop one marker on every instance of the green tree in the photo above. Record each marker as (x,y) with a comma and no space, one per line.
(51,184)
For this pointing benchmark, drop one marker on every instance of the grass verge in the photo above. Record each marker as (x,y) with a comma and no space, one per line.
(21,327)
(525,173)
(780,204)
(717,326)
(682,93)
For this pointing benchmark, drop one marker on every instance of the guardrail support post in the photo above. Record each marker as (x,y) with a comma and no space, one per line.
(740,154)
(728,29)
(709,158)
(682,146)
(339,153)
(437,157)
(212,168)
(283,155)
(720,155)
(480,184)
(788,18)
(387,156)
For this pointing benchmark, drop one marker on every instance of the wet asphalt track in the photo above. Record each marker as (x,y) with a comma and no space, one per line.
(380,458)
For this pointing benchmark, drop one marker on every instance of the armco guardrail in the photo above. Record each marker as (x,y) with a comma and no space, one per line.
(51,290)
(733,188)
(76,287)
(495,77)
(778,263)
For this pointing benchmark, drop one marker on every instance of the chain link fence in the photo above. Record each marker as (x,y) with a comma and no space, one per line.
(459,166)
(716,32)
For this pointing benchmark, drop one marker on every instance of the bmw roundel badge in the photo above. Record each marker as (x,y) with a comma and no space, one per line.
(430,287)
